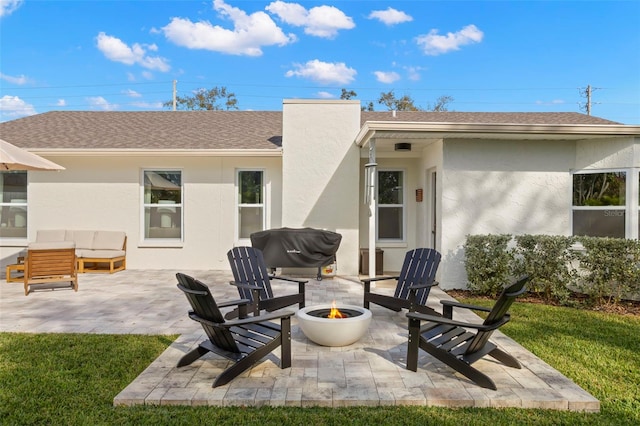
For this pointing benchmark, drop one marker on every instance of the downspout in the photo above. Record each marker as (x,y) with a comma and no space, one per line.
(370,198)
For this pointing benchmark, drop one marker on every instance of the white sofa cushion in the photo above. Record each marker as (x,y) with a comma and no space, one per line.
(99,254)
(108,240)
(48,235)
(83,239)
(51,245)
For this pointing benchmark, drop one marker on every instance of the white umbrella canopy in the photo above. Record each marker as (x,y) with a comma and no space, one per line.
(14,158)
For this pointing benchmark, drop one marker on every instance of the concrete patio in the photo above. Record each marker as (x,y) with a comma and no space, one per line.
(370,372)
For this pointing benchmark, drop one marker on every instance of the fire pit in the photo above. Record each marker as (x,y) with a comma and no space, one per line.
(328,325)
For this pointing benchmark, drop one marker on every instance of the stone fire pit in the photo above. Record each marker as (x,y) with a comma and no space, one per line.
(318,328)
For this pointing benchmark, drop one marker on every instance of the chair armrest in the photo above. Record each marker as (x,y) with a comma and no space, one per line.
(456,304)
(447,321)
(425,285)
(234,303)
(255,319)
(245,286)
(368,280)
(293,280)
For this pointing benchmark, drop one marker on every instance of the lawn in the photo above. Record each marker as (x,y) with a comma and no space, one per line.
(71,379)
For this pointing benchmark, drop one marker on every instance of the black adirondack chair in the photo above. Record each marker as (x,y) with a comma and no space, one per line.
(451,342)
(244,341)
(250,276)
(416,278)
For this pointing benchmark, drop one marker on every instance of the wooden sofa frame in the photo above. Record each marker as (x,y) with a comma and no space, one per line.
(116,264)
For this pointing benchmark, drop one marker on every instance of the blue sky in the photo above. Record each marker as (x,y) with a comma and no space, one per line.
(506,56)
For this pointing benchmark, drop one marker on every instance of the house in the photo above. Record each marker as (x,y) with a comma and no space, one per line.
(186,186)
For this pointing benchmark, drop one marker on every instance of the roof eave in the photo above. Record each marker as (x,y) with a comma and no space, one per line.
(371,128)
(115,152)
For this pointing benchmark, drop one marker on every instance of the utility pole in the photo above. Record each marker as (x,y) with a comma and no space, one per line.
(587,93)
(175,82)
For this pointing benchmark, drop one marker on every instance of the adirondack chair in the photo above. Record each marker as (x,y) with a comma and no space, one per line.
(251,278)
(244,341)
(450,341)
(414,283)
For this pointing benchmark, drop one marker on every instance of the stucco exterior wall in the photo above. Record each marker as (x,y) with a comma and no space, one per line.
(607,154)
(320,178)
(501,186)
(105,194)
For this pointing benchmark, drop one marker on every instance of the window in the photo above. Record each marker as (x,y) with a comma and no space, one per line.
(599,204)
(13,204)
(250,202)
(391,205)
(162,204)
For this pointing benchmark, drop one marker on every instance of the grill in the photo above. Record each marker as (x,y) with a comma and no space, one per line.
(297,247)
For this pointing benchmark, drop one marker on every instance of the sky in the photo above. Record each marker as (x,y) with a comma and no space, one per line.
(487,56)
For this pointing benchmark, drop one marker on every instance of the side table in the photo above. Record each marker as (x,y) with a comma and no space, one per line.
(17,268)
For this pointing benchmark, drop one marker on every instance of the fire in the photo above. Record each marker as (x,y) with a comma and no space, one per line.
(335,313)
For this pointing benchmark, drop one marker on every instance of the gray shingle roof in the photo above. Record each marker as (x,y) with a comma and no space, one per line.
(486,117)
(156,130)
(147,130)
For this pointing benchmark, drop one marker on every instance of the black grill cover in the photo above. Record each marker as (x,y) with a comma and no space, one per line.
(297,248)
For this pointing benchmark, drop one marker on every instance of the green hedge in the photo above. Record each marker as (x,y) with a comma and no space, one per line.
(563,269)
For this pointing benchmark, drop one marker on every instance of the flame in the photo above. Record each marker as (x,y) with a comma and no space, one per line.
(335,313)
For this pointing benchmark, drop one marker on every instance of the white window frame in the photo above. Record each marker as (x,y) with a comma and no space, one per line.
(148,241)
(12,204)
(631,207)
(403,206)
(238,205)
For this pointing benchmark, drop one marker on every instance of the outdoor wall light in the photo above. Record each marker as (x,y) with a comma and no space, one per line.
(402,146)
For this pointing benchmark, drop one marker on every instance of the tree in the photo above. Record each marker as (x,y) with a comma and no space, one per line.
(441,104)
(204,99)
(405,103)
(347,94)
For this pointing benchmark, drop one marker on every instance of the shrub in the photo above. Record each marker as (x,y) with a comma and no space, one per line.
(488,261)
(548,260)
(611,269)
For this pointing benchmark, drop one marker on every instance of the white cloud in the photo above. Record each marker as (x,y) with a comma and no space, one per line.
(116,50)
(19,80)
(98,102)
(390,16)
(132,93)
(61,103)
(7,7)
(323,72)
(387,76)
(413,72)
(325,95)
(552,102)
(249,34)
(147,105)
(435,44)
(320,21)
(12,107)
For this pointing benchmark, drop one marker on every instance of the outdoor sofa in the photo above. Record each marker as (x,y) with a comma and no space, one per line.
(96,251)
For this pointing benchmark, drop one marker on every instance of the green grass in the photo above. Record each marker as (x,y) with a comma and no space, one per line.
(71,379)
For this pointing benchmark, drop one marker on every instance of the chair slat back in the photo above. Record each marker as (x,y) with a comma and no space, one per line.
(248,267)
(419,267)
(50,262)
(205,307)
(498,312)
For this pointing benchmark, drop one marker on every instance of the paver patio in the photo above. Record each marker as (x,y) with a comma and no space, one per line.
(370,372)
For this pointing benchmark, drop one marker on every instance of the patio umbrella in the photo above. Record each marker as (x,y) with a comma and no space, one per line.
(156,181)
(14,158)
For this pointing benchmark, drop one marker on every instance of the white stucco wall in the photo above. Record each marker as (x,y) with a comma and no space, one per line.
(320,181)
(105,194)
(495,187)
